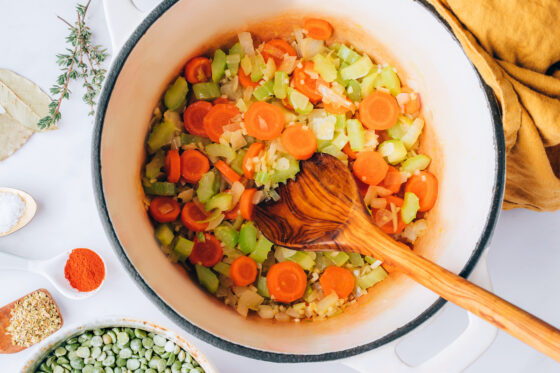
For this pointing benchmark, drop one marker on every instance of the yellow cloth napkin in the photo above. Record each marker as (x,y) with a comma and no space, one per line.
(515,45)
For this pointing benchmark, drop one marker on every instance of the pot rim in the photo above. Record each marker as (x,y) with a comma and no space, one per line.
(497,190)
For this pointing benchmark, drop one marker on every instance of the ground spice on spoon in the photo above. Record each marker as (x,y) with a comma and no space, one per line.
(84,270)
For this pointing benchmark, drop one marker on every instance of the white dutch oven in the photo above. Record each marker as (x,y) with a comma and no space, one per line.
(463,136)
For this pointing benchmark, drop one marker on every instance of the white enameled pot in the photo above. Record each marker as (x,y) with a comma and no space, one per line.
(463,136)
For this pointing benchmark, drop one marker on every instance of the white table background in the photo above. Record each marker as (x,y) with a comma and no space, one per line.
(55,168)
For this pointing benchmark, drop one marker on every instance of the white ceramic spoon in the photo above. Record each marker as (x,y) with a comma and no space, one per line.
(52,269)
(28,212)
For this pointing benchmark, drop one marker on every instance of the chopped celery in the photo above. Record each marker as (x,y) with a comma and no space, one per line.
(232,62)
(358,69)
(237,163)
(164,234)
(281,82)
(393,151)
(262,287)
(335,152)
(303,259)
(236,49)
(160,188)
(281,176)
(265,91)
(327,302)
(232,253)
(400,128)
(175,118)
(354,90)
(220,150)
(227,235)
(389,79)
(161,135)
(347,55)
(206,91)
(325,67)
(299,101)
(262,177)
(269,69)
(248,237)
(220,201)
(356,260)
(413,133)
(337,257)
(182,248)
(340,122)
(340,139)
(153,168)
(176,94)
(323,127)
(187,138)
(370,259)
(222,268)
(246,64)
(207,278)
(417,163)
(261,250)
(218,65)
(356,134)
(368,83)
(258,66)
(342,82)
(368,280)
(410,207)
(208,185)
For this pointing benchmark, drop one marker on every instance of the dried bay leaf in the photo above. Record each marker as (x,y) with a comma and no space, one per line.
(12,135)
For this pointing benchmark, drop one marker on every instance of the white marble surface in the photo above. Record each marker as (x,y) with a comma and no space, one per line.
(55,168)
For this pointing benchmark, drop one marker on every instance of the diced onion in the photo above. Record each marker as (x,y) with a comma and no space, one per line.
(236,191)
(403,99)
(258,197)
(382,192)
(370,195)
(330,96)
(288,64)
(215,222)
(378,203)
(186,195)
(246,42)
(310,47)
(266,312)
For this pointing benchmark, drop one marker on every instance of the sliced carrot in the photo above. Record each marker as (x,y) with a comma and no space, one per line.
(264,121)
(221,100)
(305,84)
(246,205)
(193,117)
(191,215)
(245,80)
(277,49)
(198,70)
(286,281)
(335,109)
(219,116)
(164,209)
(299,141)
(207,253)
(233,213)
(243,271)
(318,29)
(337,280)
(393,180)
(425,186)
(379,111)
(173,165)
(287,104)
(194,164)
(370,167)
(349,152)
(397,201)
(227,171)
(414,104)
(248,161)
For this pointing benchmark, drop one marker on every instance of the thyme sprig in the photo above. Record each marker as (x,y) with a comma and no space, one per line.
(82,61)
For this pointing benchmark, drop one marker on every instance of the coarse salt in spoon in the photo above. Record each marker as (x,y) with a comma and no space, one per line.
(17,208)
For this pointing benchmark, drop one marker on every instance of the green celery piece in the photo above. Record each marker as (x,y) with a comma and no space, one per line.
(182,247)
(207,278)
(337,257)
(265,91)
(222,268)
(393,151)
(303,259)
(207,187)
(262,287)
(368,280)
(411,136)
(248,237)
(400,128)
(340,124)
(160,188)
(237,49)
(358,69)
(269,69)
(187,138)
(417,163)
(206,91)
(298,100)
(220,150)
(218,65)
(220,201)
(354,90)
(347,55)
(368,83)
(281,82)
(370,259)
(232,253)
(356,260)
(237,163)
(410,207)
(164,234)
(262,177)
(339,79)
(247,64)
(335,46)
(340,139)
(153,168)
(281,176)
(389,79)
(176,94)
(261,250)
(356,134)
(225,233)
(232,62)
(161,135)
(258,66)
(335,152)
(325,67)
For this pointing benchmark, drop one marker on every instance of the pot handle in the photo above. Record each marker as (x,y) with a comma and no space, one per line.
(122,18)
(456,357)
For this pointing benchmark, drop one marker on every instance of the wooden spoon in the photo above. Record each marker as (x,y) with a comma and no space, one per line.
(6,345)
(322,210)
(28,212)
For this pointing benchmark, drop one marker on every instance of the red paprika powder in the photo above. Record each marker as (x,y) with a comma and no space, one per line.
(84,269)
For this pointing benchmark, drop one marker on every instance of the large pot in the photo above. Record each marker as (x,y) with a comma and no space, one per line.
(463,137)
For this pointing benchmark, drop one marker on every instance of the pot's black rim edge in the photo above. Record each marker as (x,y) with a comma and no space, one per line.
(243,350)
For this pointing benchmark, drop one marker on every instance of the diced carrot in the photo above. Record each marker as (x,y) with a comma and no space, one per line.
(393,180)
(230,175)
(370,167)
(191,215)
(233,213)
(217,117)
(173,165)
(425,186)
(164,209)
(299,141)
(307,85)
(318,29)
(337,280)
(248,164)
(198,70)
(243,271)
(221,100)
(245,80)
(349,152)
(264,121)
(246,205)
(194,164)
(276,49)
(207,253)
(193,117)
(286,281)
(335,109)
(379,111)
(414,104)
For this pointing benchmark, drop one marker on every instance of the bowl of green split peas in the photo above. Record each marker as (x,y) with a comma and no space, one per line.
(119,345)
